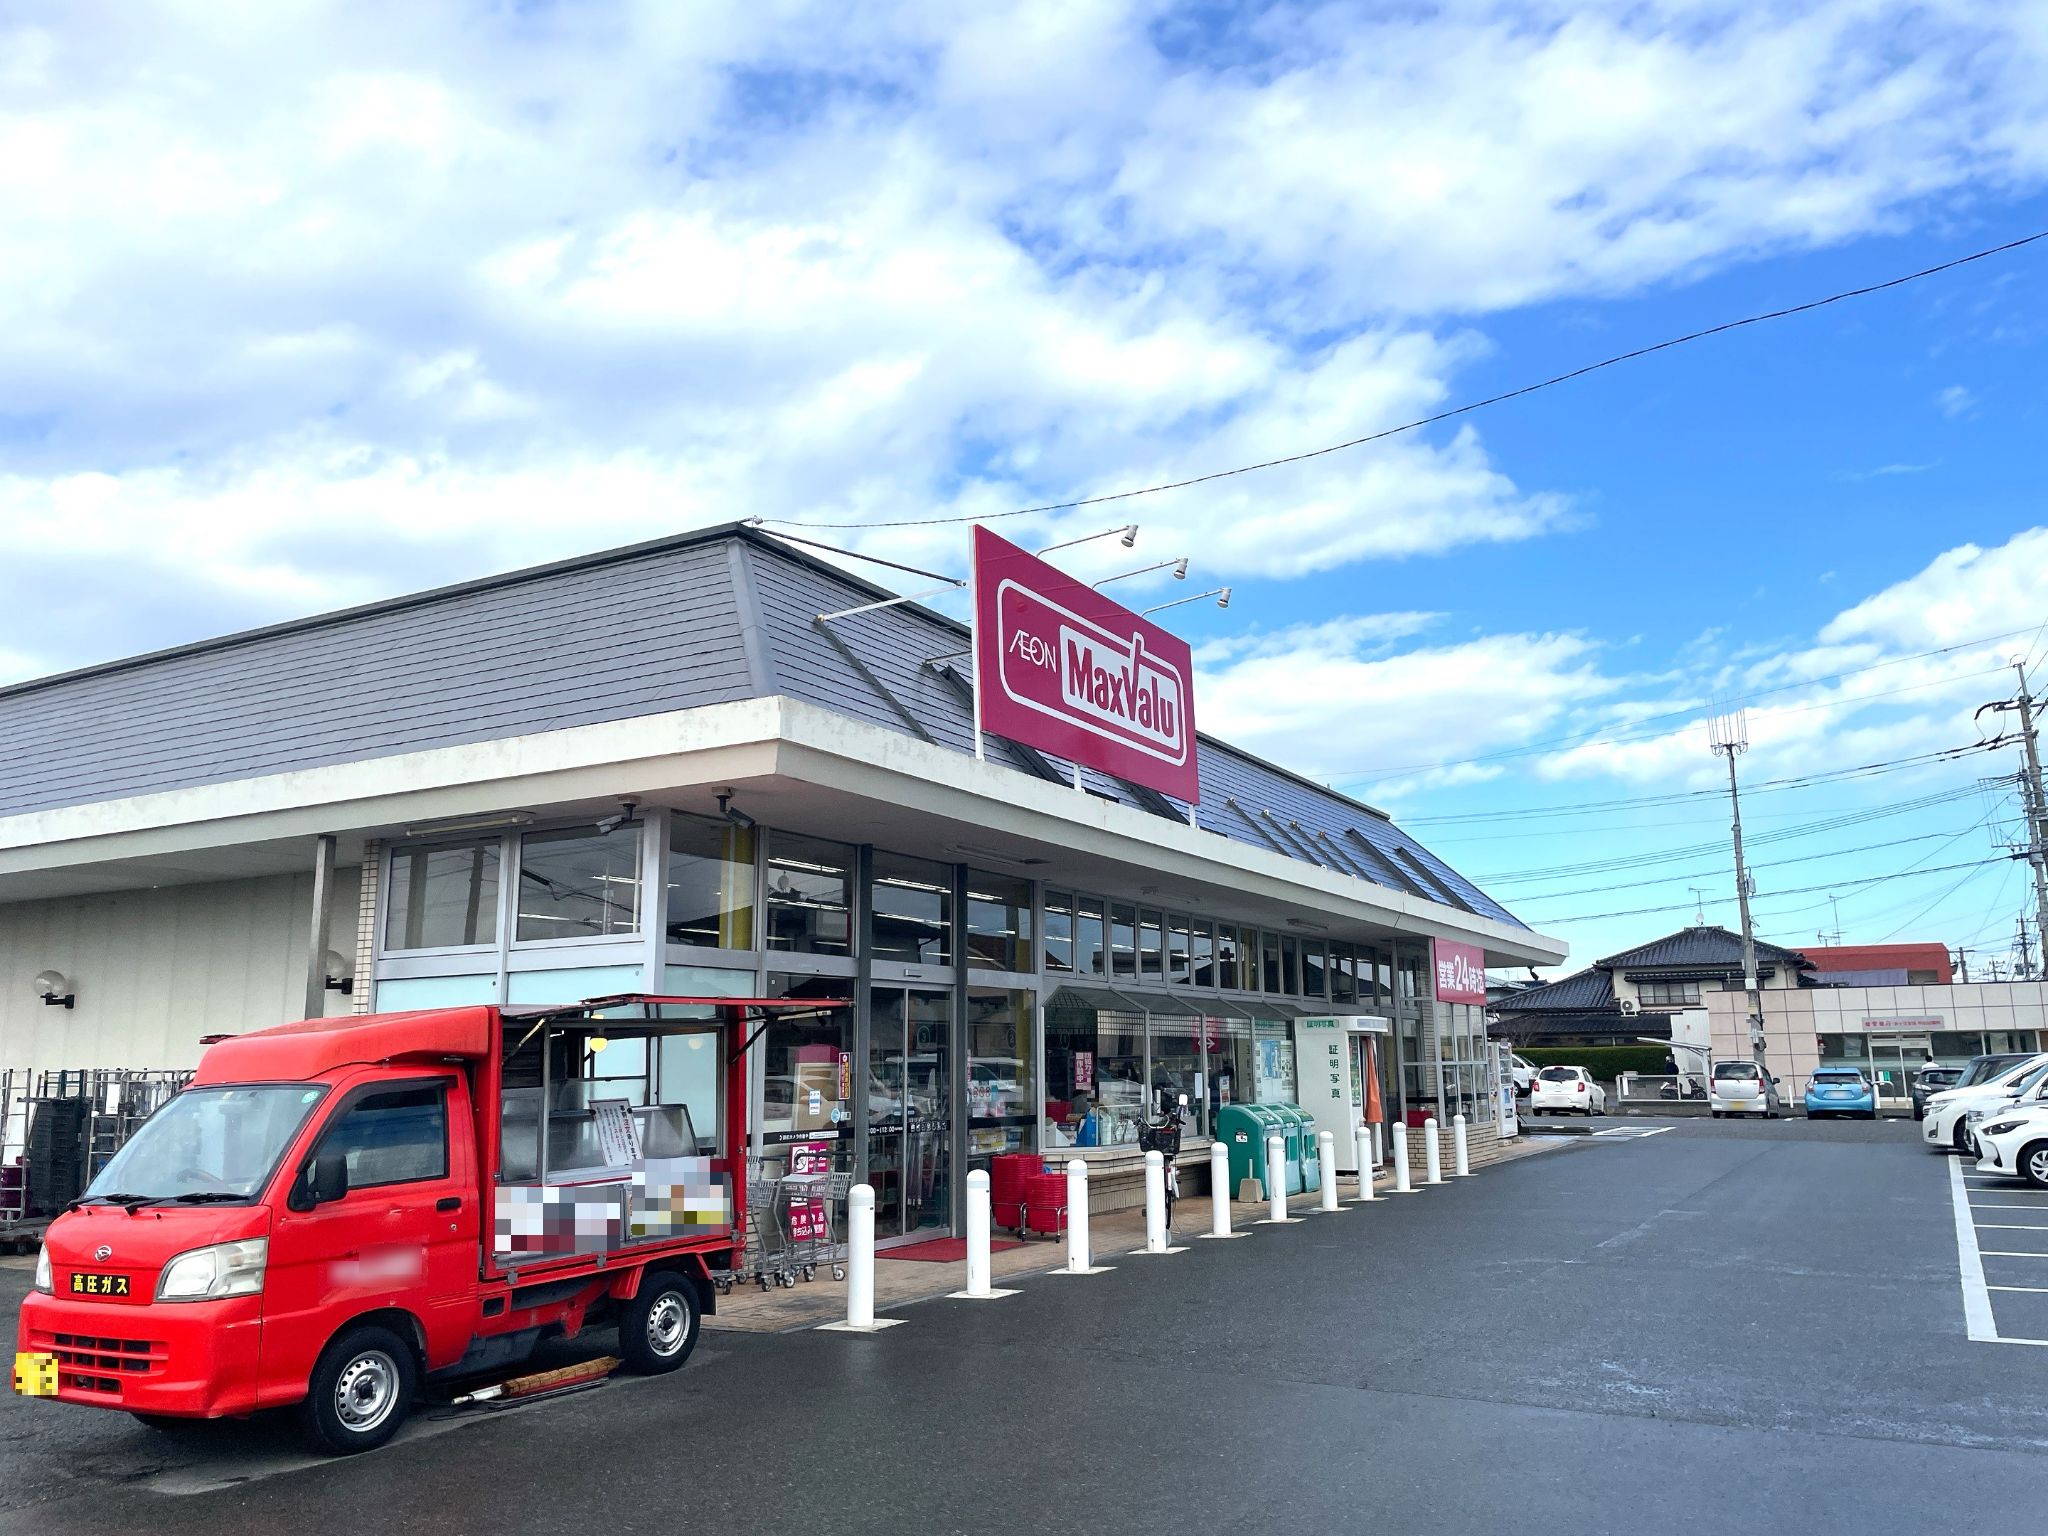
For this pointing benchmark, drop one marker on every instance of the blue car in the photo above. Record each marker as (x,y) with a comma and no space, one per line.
(1840,1091)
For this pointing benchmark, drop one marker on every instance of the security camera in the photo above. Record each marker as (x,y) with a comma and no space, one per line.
(1130,535)
(606,825)
(726,809)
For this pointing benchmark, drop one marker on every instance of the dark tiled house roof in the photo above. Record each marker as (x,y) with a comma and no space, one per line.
(1590,988)
(1703,946)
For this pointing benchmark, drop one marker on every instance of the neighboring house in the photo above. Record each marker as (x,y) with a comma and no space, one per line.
(1881,965)
(1639,992)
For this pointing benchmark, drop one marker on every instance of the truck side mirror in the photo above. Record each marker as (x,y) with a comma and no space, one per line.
(325,1180)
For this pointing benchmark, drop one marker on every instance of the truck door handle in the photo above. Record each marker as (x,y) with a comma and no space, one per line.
(448,1203)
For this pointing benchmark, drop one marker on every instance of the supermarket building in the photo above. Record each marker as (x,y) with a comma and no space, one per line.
(685,767)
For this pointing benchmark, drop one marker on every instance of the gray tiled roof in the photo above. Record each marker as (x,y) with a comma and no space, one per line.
(702,618)
(1707,945)
(1591,988)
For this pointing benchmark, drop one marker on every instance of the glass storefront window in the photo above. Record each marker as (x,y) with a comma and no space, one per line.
(1272,1063)
(1123,940)
(1228,966)
(1269,964)
(1290,965)
(710,883)
(1002,1102)
(1343,975)
(807,1065)
(810,895)
(1180,949)
(1230,1060)
(443,897)
(1094,1071)
(1314,984)
(998,922)
(913,910)
(1202,953)
(1091,958)
(1178,1068)
(1059,931)
(579,883)
(1151,948)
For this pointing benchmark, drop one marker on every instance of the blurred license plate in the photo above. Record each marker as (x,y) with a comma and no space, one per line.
(86,1283)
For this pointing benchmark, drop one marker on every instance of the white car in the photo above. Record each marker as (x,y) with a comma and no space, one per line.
(1525,1072)
(2014,1142)
(1947,1122)
(1566,1091)
(1743,1088)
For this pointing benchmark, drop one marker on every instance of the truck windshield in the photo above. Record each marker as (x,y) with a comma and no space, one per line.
(208,1143)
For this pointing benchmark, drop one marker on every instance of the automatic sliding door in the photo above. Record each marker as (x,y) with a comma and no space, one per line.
(910,1103)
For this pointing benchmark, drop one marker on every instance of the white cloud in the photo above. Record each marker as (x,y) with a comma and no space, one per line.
(298,307)
(1954,401)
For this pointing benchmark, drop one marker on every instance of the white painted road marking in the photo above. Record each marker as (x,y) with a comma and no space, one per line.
(1977,1318)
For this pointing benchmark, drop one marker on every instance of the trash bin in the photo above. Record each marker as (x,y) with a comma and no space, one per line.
(1243,1128)
(1298,1127)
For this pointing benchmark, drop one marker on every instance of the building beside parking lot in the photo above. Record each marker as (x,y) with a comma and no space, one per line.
(714,765)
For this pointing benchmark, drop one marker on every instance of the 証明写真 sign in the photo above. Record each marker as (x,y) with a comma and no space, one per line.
(1460,971)
(1062,668)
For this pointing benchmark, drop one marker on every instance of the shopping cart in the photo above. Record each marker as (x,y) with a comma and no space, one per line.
(809,1206)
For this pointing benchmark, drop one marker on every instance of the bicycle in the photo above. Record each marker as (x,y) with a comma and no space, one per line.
(1163,1137)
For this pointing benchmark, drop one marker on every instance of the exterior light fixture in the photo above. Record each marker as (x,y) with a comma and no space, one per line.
(54,989)
(1221,594)
(338,973)
(490,822)
(1128,534)
(1180,571)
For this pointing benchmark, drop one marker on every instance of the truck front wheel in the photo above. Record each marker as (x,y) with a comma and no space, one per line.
(361,1391)
(658,1328)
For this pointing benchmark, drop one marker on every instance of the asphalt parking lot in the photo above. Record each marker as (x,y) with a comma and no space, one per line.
(1606,1337)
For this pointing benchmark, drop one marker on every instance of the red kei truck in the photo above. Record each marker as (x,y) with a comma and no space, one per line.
(337,1212)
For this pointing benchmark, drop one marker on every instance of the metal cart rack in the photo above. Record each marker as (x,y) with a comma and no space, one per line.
(808,1207)
(764,1255)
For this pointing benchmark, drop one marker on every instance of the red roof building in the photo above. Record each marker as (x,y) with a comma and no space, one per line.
(1880,965)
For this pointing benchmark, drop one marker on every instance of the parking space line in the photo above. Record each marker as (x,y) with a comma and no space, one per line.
(2000,1253)
(1977,1318)
(1986,1205)
(2032,1290)
(2011,1226)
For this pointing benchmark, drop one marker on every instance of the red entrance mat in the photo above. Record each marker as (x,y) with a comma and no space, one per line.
(940,1250)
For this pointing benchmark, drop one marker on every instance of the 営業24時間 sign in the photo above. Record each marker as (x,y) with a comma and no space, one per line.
(1062,668)
(1460,971)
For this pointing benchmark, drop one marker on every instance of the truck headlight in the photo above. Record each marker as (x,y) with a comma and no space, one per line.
(42,1281)
(208,1274)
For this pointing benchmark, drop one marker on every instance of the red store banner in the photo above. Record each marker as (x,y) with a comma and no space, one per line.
(1460,971)
(1062,668)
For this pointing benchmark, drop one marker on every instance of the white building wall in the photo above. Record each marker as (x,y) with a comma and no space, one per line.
(155,970)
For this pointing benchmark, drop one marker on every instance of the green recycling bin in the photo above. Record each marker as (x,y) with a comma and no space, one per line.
(1304,1150)
(1243,1128)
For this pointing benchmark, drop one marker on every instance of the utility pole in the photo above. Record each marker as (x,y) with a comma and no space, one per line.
(2024,971)
(1963,962)
(2035,802)
(1729,736)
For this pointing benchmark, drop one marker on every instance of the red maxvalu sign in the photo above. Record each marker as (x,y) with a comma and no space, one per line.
(1062,668)
(1460,971)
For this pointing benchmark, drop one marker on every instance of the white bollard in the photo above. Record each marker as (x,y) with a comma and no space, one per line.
(1155,1202)
(1078,1260)
(860,1257)
(1378,1155)
(1461,1161)
(1365,1161)
(1432,1152)
(1326,1149)
(1219,1190)
(1276,1178)
(1399,1134)
(978,1281)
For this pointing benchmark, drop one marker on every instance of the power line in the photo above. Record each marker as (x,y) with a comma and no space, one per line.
(1802,890)
(1442,416)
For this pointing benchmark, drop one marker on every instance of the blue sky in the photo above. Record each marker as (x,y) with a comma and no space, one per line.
(309,304)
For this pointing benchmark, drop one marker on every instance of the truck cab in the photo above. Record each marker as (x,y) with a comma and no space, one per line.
(337,1211)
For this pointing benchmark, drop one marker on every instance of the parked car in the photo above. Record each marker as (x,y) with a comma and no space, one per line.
(1931,1079)
(1566,1091)
(1743,1088)
(1979,1070)
(1840,1091)
(1525,1073)
(1947,1125)
(2015,1142)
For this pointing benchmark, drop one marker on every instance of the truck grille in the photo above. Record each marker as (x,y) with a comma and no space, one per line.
(95,1364)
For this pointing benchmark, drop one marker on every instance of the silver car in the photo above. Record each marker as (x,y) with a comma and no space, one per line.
(1743,1088)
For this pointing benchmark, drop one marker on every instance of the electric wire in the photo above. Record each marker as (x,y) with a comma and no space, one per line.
(1445,415)
(1803,890)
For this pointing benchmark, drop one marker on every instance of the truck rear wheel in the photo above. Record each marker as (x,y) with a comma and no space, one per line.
(658,1328)
(361,1391)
